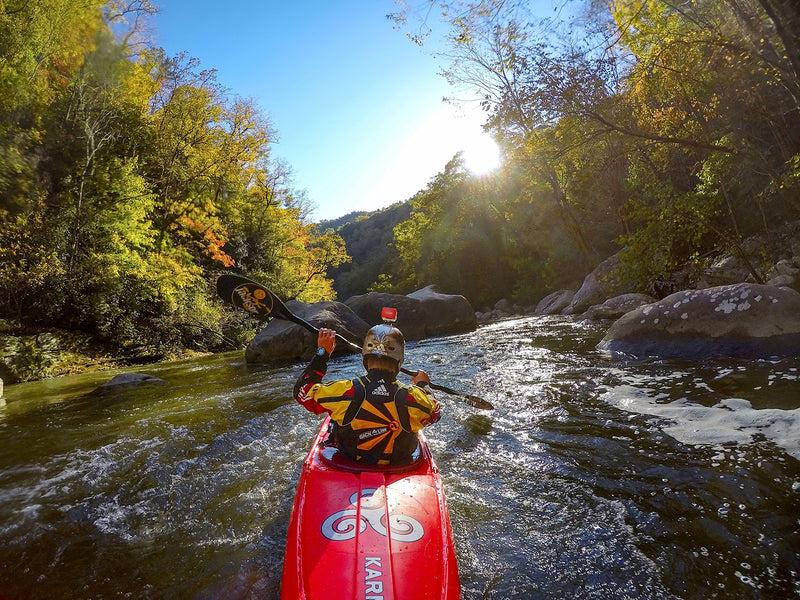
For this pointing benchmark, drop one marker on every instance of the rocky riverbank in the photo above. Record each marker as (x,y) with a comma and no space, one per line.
(30,356)
(603,295)
(744,304)
(39,355)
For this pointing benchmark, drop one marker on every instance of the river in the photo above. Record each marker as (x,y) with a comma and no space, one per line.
(593,478)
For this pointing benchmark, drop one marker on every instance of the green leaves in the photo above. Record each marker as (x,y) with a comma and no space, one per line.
(668,128)
(128,181)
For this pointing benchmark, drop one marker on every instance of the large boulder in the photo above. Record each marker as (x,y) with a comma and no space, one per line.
(411,318)
(784,274)
(425,312)
(725,270)
(445,313)
(615,307)
(554,303)
(598,286)
(286,341)
(743,320)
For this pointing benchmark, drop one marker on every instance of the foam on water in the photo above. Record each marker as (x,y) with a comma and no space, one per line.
(733,420)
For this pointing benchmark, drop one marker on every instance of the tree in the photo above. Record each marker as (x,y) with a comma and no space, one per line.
(680,109)
(128,178)
(454,238)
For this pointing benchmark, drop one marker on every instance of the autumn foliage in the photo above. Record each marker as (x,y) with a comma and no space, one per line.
(670,130)
(128,178)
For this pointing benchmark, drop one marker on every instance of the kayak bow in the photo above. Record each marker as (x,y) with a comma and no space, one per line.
(369,532)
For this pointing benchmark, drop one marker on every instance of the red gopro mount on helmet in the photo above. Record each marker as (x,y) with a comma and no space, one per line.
(389,315)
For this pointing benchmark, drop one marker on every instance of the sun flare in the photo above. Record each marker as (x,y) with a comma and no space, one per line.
(408,167)
(482,155)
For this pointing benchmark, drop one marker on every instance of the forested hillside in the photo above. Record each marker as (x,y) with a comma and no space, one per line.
(669,129)
(335,224)
(368,240)
(128,178)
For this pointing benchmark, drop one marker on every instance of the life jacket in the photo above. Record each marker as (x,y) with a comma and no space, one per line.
(376,427)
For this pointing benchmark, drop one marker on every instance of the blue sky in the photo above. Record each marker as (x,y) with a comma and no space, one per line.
(358,107)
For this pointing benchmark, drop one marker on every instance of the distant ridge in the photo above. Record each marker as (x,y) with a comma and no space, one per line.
(335,224)
(368,238)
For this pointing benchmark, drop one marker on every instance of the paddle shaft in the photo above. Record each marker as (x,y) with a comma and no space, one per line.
(263,304)
(350,345)
(473,400)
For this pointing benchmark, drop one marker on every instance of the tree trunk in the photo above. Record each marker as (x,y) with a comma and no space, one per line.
(785,15)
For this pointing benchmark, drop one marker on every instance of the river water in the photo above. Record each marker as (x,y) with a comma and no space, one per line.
(593,478)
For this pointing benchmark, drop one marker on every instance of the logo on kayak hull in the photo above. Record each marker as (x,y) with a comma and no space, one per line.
(342,525)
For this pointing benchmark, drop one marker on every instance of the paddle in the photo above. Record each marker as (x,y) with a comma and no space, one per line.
(264,305)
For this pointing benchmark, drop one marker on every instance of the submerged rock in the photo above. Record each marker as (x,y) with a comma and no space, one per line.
(743,320)
(124,380)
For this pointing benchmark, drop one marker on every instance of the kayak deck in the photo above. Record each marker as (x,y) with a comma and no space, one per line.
(376,534)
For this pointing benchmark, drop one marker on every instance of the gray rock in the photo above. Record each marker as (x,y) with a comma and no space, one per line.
(554,303)
(784,274)
(503,305)
(286,341)
(783,267)
(726,270)
(598,286)
(445,313)
(127,380)
(783,281)
(411,319)
(614,308)
(743,320)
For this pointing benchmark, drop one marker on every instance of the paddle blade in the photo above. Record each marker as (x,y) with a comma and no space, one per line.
(246,294)
(478,402)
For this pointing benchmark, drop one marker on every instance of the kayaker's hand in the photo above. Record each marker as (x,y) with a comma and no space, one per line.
(421,378)
(326,340)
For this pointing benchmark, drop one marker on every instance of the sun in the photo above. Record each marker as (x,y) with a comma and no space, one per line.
(481,155)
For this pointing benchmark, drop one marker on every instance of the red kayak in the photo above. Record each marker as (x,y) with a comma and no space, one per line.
(369,532)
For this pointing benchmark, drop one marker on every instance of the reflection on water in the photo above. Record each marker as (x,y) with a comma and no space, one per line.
(591,479)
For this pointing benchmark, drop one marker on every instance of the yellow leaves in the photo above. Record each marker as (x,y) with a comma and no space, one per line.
(138,87)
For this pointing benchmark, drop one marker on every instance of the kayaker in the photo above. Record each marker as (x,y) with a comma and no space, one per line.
(375,417)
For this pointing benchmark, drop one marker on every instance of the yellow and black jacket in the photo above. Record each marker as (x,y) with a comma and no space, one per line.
(375,417)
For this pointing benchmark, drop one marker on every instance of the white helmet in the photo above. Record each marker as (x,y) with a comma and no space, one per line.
(384,340)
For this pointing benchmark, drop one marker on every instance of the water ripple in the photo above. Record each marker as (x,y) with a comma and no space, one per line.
(592,479)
